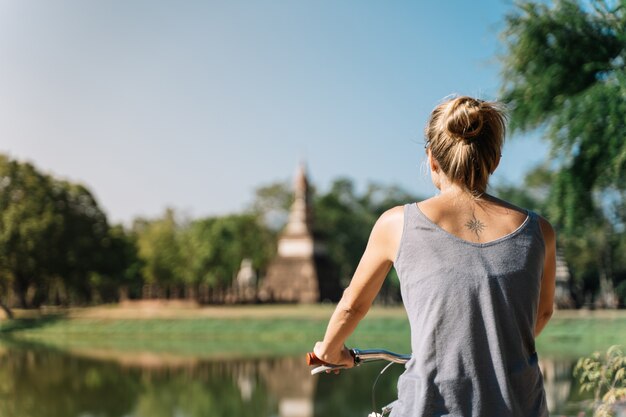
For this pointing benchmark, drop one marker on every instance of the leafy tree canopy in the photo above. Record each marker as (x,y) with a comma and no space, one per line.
(215,247)
(564,72)
(54,238)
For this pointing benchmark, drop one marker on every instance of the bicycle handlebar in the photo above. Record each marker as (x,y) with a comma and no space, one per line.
(360,356)
(371,355)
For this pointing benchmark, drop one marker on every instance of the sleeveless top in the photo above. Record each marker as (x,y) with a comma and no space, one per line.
(472,309)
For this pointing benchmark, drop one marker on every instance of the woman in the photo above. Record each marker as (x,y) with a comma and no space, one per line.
(476,275)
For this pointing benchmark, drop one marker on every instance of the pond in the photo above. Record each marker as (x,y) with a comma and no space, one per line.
(38,381)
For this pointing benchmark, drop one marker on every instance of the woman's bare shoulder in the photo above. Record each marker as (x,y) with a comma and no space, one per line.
(546,228)
(387,231)
(507,205)
(549,235)
(392,221)
(392,215)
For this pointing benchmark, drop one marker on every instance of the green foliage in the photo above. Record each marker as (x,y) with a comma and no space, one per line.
(31,224)
(271,204)
(159,248)
(564,71)
(55,241)
(605,376)
(83,241)
(564,74)
(204,251)
(555,53)
(123,266)
(344,220)
(215,247)
(533,193)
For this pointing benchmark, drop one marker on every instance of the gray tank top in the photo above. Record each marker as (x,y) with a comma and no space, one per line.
(472,310)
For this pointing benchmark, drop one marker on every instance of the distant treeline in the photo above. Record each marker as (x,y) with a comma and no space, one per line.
(57,247)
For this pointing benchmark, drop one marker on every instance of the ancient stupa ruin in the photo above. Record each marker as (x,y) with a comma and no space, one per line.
(301,272)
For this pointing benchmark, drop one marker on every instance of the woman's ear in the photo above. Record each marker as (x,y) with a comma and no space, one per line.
(434,171)
(497,163)
(432,162)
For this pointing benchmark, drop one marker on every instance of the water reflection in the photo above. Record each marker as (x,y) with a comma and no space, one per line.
(36,381)
(557,379)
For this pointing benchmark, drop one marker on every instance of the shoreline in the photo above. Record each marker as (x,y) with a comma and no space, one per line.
(181,309)
(264,330)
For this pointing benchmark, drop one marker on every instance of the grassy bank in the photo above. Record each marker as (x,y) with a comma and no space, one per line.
(264,330)
(231,331)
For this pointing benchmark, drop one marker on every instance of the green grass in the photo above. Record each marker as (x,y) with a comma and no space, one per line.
(276,334)
(578,336)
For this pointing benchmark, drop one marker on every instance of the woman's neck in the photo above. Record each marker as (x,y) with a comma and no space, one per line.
(450,190)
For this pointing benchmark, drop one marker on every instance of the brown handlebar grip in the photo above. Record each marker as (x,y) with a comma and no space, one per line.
(312,360)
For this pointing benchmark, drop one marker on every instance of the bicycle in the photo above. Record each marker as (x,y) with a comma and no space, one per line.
(363,356)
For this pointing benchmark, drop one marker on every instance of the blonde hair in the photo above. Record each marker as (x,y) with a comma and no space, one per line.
(465,136)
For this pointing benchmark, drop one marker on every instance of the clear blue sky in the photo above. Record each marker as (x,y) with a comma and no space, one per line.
(195,104)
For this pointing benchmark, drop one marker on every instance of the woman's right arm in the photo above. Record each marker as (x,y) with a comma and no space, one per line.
(365,284)
(546,296)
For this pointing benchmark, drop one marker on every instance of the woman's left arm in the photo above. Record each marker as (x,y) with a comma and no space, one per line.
(546,294)
(368,278)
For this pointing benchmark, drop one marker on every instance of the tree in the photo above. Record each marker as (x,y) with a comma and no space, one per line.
(83,242)
(215,247)
(53,236)
(271,204)
(31,225)
(344,220)
(122,272)
(564,72)
(159,249)
(534,191)
(343,223)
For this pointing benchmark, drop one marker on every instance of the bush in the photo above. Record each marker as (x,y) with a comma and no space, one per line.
(605,375)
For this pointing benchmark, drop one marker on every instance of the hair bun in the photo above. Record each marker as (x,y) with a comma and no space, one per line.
(465,118)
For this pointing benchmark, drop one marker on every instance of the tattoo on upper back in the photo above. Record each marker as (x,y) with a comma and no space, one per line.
(475,226)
